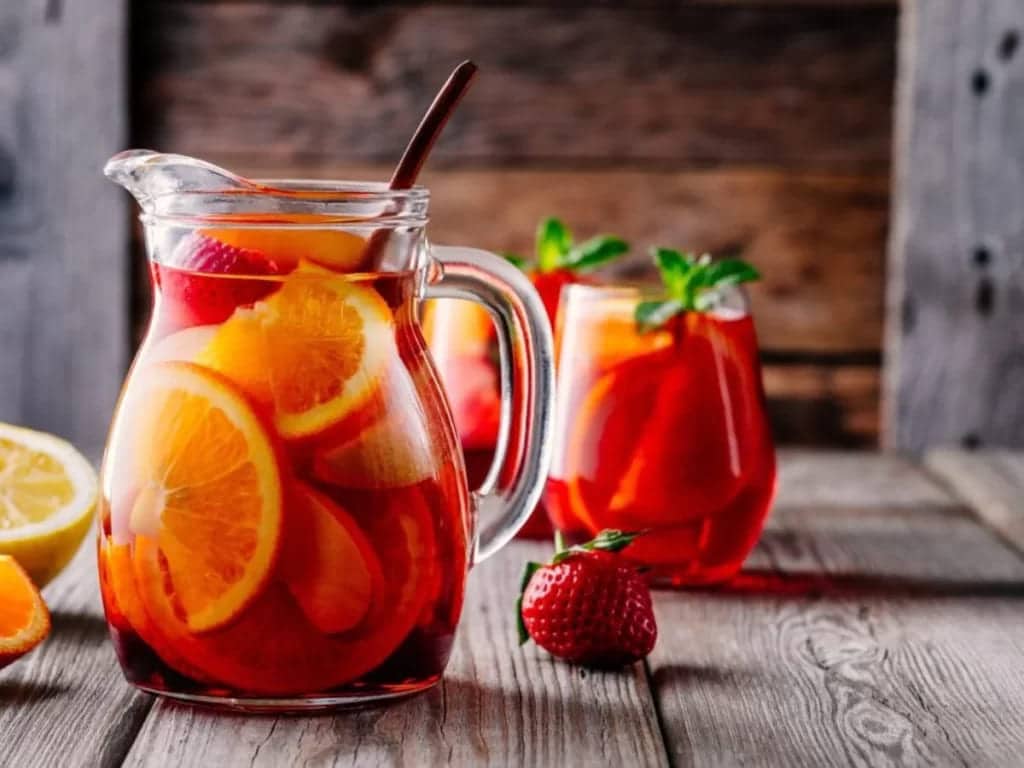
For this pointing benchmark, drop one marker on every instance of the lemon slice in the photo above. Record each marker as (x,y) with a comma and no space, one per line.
(47,498)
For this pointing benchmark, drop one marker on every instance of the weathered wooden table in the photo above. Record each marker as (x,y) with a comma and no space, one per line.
(880,621)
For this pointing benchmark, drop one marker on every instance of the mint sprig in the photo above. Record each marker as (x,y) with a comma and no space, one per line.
(692,284)
(556,249)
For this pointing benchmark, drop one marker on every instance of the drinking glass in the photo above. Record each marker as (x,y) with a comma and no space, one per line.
(663,432)
(285,517)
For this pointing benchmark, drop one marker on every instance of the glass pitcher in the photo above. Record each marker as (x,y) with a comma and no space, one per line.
(286,522)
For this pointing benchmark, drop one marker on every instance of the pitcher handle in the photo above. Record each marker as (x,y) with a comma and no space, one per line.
(512,489)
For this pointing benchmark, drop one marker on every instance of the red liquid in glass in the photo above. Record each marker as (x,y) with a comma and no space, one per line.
(667,433)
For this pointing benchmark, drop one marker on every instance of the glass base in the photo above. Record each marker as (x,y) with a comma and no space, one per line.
(295,704)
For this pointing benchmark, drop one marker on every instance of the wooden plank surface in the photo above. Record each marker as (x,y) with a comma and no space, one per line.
(805,88)
(63,228)
(992,482)
(956,304)
(877,624)
(66,703)
(497,705)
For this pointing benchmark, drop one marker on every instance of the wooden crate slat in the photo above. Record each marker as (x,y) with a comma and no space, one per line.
(856,636)
(66,703)
(63,227)
(806,88)
(992,482)
(497,705)
(956,301)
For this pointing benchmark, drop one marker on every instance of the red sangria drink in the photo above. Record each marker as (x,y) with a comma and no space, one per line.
(463,342)
(660,421)
(285,518)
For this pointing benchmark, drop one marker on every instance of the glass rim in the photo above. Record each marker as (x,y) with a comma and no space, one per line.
(623,289)
(328,204)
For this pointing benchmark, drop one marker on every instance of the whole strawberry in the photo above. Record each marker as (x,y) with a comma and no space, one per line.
(589,605)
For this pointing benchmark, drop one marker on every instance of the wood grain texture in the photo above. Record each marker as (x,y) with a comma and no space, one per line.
(806,88)
(862,633)
(66,703)
(956,301)
(992,482)
(497,705)
(823,405)
(63,233)
(847,479)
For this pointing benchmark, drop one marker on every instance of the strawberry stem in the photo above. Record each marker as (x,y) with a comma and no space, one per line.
(608,540)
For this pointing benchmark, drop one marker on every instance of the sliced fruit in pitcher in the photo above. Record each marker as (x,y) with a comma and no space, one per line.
(185,345)
(395,450)
(273,647)
(206,279)
(333,248)
(208,493)
(327,562)
(125,608)
(24,620)
(315,351)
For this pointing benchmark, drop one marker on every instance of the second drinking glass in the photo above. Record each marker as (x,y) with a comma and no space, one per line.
(661,430)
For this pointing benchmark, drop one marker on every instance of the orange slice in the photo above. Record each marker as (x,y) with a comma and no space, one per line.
(24,620)
(333,248)
(327,562)
(273,647)
(125,610)
(396,449)
(208,491)
(314,351)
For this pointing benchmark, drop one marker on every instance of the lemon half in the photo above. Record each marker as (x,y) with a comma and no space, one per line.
(47,499)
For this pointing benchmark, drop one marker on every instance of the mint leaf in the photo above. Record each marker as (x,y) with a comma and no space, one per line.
(595,252)
(693,284)
(515,260)
(675,269)
(708,291)
(553,243)
(730,272)
(654,314)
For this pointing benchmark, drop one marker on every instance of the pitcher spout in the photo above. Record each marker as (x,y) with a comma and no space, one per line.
(148,175)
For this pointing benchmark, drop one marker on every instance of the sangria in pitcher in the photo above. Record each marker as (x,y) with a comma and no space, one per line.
(286,521)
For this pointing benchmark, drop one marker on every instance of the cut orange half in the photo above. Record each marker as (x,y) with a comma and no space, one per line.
(207,489)
(395,449)
(314,351)
(24,620)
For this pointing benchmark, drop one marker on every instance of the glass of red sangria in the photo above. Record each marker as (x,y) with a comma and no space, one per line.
(464,344)
(660,419)
(285,518)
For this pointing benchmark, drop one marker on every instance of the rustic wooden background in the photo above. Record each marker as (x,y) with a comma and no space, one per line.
(763,125)
(758,125)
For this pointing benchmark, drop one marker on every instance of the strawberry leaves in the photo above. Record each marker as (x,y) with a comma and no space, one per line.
(693,284)
(556,249)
